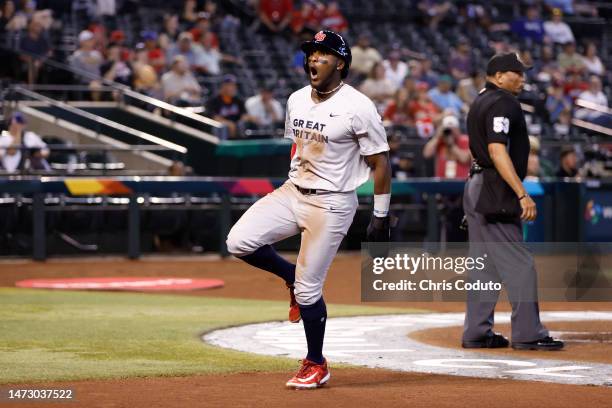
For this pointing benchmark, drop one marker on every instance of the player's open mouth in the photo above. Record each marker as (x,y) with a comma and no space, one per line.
(313,73)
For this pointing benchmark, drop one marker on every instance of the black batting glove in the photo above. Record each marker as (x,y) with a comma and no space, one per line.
(379,229)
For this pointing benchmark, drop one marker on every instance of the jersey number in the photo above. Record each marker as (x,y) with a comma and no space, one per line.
(501,124)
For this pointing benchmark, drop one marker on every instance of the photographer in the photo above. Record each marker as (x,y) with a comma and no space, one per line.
(451,150)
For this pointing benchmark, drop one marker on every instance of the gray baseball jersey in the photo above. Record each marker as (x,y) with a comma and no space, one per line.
(331,138)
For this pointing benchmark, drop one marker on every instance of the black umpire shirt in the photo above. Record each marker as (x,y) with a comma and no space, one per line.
(496,117)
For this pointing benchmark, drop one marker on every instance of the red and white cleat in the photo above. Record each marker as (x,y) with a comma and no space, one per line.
(310,375)
(294,309)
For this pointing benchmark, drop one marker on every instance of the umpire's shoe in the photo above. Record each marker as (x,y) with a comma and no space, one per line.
(545,343)
(495,340)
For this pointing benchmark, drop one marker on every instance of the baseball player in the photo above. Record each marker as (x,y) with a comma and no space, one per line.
(338,139)
(495,201)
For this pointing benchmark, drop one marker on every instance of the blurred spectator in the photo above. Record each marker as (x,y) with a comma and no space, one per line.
(35,48)
(531,27)
(445,98)
(18,19)
(398,110)
(6,20)
(434,11)
(265,111)
(333,19)
(118,37)
(210,58)
(421,71)
(99,33)
(146,79)
(569,59)
(190,13)
(468,88)
(557,30)
(574,84)
(594,95)
(591,61)
(563,124)
(115,69)
(460,63)
(106,7)
(538,166)
(568,162)
(377,86)
(395,69)
(44,17)
(557,102)
(203,26)
(179,85)
(451,150)
(364,56)
(13,156)
(275,15)
(155,54)
(88,60)
(227,108)
(423,112)
(188,49)
(546,67)
(306,19)
(170,31)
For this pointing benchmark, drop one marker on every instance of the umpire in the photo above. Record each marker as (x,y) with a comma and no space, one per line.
(495,202)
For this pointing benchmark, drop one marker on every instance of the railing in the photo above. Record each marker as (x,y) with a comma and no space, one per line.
(133,132)
(218,130)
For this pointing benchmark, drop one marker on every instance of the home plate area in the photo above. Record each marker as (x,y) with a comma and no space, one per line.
(384,342)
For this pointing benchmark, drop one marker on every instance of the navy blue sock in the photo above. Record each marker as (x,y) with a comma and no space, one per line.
(314,317)
(268,259)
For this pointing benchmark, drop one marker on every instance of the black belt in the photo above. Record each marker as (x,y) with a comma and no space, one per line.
(475,168)
(310,191)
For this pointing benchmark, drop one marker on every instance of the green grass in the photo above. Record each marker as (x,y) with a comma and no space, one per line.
(61,335)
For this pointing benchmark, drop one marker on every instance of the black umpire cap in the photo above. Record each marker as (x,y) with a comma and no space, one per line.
(332,42)
(506,62)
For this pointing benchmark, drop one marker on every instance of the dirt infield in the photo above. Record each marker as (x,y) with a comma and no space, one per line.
(348,387)
(590,343)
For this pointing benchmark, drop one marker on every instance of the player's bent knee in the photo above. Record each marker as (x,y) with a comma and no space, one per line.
(306,297)
(238,246)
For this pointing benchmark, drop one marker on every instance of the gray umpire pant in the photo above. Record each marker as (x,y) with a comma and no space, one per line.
(508,261)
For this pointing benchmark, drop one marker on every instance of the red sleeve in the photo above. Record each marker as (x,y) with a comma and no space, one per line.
(390,111)
(463,142)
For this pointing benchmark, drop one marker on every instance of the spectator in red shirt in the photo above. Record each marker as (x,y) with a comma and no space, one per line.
(398,110)
(423,111)
(451,150)
(118,37)
(305,19)
(333,19)
(156,56)
(574,84)
(275,14)
(202,27)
